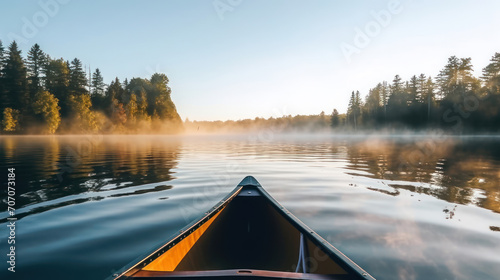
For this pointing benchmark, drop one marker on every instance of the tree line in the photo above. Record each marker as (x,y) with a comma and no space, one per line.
(286,123)
(44,95)
(454,100)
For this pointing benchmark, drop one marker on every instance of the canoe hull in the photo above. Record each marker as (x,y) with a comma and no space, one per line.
(247,234)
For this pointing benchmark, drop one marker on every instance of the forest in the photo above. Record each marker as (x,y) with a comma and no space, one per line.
(455,101)
(44,95)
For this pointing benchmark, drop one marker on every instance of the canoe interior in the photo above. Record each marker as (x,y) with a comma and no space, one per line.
(247,235)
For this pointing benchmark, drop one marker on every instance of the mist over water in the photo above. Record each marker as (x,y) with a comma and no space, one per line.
(405,207)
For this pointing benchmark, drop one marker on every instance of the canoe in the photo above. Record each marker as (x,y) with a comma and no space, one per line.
(246,235)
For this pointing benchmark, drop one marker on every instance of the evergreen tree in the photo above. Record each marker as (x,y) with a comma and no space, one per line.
(113,96)
(2,57)
(97,83)
(421,88)
(456,78)
(397,98)
(359,104)
(491,75)
(448,77)
(35,63)
(413,92)
(78,79)
(371,109)
(353,109)
(3,97)
(54,90)
(141,87)
(57,75)
(429,96)
(334,121)
(98,96)
(385,94)
(15,82)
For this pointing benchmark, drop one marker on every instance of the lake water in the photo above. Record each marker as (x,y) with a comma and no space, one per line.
(408,207)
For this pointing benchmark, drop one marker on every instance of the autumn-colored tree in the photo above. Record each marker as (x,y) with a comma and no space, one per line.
(118,113)
(46,105)
(132,110)
(82,117)
(10,120)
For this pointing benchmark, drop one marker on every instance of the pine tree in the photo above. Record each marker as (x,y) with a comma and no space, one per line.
(421,88)
(113,93)
(491,75)
(372,105)
(98,91)
(97,83)
(3,98)
(334,121)
(78,79)
(448,77)
(15,81)
(429,88)
(35,63)
(456,78)
(414,96)
(397,104)
(397,99)
(385,94)
(57,75)
(2,56)
(352,109)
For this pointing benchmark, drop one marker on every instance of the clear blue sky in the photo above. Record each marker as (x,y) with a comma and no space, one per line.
(262,58)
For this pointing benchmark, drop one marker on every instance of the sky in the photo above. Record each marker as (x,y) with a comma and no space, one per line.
(237,59)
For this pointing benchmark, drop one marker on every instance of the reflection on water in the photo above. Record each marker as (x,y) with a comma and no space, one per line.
(403,208)
(463,171)
(57,167)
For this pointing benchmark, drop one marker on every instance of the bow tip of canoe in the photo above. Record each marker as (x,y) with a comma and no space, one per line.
(249,181)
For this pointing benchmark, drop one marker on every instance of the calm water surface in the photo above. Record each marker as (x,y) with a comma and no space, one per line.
(401,207)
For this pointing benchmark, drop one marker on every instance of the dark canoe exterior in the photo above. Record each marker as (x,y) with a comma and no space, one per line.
(333,264)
